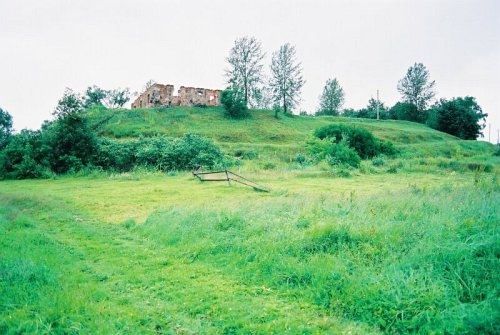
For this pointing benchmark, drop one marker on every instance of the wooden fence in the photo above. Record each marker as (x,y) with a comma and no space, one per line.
(226,175)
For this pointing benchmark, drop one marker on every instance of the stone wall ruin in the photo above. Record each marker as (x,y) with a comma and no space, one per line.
(159,95)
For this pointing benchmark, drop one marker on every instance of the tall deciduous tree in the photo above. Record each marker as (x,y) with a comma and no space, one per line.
(286,78)
(416,87)
(332,98)
(245,68)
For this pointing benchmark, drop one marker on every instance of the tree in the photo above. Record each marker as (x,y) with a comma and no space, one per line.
(24,156)
(370,111)
(349,112)
(461,117)
(5,127)
(245,68)
(286,78)
(416,87)
(70,103)
(233,103)
(406,111)
(332,98)
(70,137)
(94,96)
(117,98)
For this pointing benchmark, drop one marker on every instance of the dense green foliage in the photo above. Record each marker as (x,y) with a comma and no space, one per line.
(407,111)
(461,117)
(70,143)
(341,154)
(234,103)
(183,153)
(370,111)
(5,127)
(359,139)
(69,146)
(94,96)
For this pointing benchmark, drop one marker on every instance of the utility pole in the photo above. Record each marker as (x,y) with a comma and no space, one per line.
(378,112)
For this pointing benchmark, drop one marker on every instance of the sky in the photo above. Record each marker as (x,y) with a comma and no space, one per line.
(46,46)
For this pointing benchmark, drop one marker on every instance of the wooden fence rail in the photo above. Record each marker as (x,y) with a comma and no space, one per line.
(226,175)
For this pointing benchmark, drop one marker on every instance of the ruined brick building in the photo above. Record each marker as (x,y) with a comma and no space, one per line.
(159,95)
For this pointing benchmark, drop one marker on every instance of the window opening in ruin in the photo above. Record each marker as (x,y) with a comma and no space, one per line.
(211,98)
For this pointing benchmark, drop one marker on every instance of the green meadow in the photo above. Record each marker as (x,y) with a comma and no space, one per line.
(404,244)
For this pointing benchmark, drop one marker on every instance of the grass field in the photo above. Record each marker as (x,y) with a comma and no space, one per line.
(405,244)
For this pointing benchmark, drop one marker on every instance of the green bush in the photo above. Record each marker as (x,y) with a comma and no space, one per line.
(234,104)
(378,162)
(71,143)
(360,140)
(339,154)
(25,156)
(37,155)
(497,152)
(116,156)
(182,153)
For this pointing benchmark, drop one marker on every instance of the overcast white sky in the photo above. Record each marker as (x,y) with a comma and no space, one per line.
(367,45)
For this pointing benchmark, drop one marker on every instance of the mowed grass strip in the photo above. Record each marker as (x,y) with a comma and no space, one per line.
(64,272)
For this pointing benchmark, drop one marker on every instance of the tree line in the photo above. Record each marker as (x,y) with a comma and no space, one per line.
(249,87)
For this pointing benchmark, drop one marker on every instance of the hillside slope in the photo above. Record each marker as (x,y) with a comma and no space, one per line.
(261,127)
(262,133)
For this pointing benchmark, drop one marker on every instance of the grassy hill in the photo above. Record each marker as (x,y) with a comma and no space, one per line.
(260,128)
(279,140)
(401,245)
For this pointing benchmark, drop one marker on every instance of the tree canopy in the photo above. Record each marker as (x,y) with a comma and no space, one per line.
(245,68)
(5,127)
(461,117)
(416,87)
(286,78)
(332,98)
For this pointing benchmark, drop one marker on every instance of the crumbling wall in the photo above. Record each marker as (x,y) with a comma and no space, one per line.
(159,95)
(155,96)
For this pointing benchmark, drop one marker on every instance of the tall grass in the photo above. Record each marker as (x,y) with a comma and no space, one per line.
(418,260)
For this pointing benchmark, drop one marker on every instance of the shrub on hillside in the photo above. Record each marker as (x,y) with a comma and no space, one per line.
(340,154)
(359,139)
(407,111)
(116,156)
(234,104)
(182,153)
